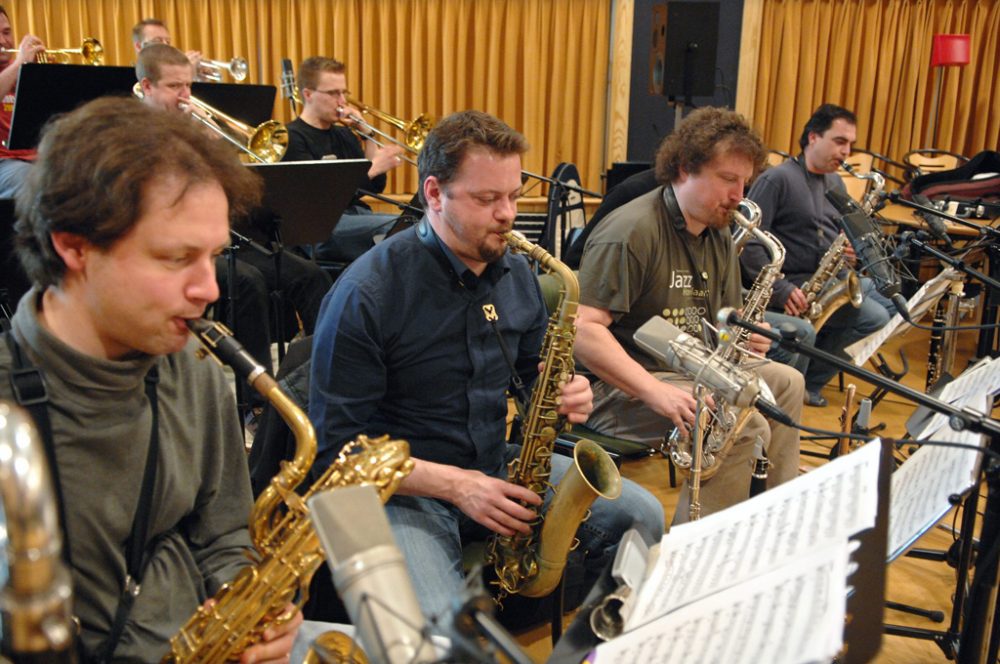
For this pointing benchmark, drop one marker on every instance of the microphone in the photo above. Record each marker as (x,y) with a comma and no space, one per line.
(687,354)
(934,222)
(370,574)
(865,237)
(287,79)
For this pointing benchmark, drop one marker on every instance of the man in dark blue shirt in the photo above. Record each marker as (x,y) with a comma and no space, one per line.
(409,344)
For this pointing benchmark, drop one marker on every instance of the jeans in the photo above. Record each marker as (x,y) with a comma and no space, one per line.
(431,534)
(12,174)
(804,333)
(845,327)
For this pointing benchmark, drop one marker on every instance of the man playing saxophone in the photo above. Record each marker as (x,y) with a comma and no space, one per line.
(120,245)
(669,253)
(412,342)
(794,208)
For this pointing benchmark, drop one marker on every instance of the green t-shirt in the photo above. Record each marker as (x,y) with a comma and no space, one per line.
(642,262)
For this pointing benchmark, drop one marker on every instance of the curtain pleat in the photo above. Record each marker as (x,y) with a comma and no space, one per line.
(873,56)
(540,65)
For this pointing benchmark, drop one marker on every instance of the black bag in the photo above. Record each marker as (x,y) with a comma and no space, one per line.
(975,186)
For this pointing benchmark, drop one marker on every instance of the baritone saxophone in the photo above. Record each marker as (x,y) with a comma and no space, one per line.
(532,564)
(288,549)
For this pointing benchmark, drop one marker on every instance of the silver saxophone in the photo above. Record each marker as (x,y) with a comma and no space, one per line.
(37,598)
(723,426)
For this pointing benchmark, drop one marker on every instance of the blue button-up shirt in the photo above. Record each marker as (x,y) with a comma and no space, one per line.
(403,346)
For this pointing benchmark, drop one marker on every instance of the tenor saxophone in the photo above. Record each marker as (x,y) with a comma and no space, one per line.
(723,427)
(532,564)
(288,548)
(37,598)
(825,292)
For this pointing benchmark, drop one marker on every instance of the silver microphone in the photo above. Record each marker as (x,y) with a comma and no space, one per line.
(370,574)
(687,354)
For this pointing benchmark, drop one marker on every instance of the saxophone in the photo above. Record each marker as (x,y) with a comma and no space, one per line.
(37,598)
(289,550)
(825,292)
(532,564)
(720,432)
(873,196)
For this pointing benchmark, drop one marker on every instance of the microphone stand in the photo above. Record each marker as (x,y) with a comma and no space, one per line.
(980,636)
(957,263)
(895,197)
(404,207)
(564,185)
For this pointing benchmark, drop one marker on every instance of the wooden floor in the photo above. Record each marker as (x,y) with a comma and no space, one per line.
(923,583)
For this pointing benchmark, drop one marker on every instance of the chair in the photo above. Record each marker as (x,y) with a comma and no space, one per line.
(861,162)
(931,160)
(777,157)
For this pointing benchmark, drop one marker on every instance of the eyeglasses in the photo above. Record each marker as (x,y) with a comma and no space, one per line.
(334,93)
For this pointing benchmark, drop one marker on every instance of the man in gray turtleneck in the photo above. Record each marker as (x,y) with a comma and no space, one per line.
(119,225)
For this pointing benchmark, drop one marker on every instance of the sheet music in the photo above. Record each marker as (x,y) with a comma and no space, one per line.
(922,485)
(966,390)
(793,614)
(921,301)
(820,509)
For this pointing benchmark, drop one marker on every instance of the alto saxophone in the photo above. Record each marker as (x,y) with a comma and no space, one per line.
(532,564)
(825,292)
(720,432)
(37,599)
(288,547)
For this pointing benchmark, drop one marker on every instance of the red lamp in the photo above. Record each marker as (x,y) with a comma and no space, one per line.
(946,51)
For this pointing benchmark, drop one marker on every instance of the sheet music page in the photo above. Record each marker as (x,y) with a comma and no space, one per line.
(921,301)
(793,614)
(966,390)
(820,509)
(922,485)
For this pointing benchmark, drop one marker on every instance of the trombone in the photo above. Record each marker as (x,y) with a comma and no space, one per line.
(414,132)
(91,51)
(266,143)
(211,70)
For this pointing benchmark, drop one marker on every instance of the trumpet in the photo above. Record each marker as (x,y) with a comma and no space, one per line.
(414,132)
(211,70)
(91,51)
(266,143)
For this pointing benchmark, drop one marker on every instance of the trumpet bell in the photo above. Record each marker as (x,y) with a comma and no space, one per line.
(211,70)
(90,51)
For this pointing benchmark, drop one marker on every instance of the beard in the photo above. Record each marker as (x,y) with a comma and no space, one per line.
(722,220)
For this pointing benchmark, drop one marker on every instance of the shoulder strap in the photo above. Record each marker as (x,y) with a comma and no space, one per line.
(135,547)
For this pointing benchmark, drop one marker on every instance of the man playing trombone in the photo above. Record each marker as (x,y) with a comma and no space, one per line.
(323,131)
(14,164)
(165,76)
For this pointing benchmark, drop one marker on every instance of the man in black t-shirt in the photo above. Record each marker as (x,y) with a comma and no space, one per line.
(324,131)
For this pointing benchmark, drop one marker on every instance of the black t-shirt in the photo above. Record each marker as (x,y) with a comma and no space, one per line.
(307,143)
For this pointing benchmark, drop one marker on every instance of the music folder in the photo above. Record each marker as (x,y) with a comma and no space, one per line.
(310,196)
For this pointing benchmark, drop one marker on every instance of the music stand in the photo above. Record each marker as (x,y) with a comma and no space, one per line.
(307,199)
(45,90)
(247,102)
(691,43)
(863,631)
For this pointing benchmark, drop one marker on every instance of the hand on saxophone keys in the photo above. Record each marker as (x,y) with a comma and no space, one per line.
(576,400)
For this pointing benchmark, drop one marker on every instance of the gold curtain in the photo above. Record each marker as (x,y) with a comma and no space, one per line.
(873,56)
(541,66)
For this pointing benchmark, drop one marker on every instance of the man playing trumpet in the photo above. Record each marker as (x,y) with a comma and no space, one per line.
(14,164)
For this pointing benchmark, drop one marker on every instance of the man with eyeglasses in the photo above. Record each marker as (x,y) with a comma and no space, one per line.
(324,131)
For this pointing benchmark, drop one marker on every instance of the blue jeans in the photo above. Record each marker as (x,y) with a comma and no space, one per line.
(845,327)
(431,534)
(804,332)
(12,175)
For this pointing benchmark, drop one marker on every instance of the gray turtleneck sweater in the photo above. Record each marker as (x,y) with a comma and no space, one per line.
(201,502)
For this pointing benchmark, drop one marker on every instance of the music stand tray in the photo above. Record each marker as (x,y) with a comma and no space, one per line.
(43,90)
(310,196)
